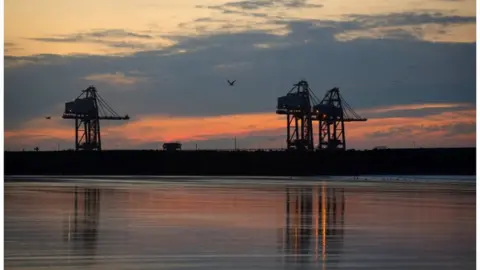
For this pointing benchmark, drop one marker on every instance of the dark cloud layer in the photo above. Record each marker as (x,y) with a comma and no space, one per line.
(10,47)
(90,36)
(369,72)
(409,18)
(251,5)
(103,37)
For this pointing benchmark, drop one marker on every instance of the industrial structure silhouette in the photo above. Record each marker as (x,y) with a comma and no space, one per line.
(87,110)
(302,108)
(300,105)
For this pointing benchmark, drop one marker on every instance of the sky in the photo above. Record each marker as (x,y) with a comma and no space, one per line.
(406,65)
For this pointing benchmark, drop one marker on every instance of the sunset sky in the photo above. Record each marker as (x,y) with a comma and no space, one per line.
(406,65)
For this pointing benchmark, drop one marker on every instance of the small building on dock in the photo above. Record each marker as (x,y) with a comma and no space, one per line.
(172,146)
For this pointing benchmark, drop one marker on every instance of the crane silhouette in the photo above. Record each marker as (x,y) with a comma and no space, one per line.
(303,108)
(87,110)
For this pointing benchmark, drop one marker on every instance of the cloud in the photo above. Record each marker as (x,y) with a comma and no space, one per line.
(459,128)
(232,66)
(400,25)
(272,45)
(244,21)
(248,9)
(253,5)
(447,130)
(188,83)
(10,47)
(90,36)
(250,5)
(111,38)
(446,124)
(409,18)
(407,107)
(406,25)
(423,112)
(402,131)
(117,78)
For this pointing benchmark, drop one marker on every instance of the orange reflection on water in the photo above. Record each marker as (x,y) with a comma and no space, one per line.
(315,215)
(324,224)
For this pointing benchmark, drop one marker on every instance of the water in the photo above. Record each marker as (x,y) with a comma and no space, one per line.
(238,223)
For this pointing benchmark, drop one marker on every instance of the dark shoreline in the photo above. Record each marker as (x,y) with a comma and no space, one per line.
(419,161)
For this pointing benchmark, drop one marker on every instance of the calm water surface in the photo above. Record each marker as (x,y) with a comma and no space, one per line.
(178,224)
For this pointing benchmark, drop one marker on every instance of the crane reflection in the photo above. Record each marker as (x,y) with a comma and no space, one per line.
(82,227)
(314,223)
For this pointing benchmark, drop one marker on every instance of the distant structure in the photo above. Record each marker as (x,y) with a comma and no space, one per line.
(303,108)
(172,146)
(87,110)
(297,106)
(332,113)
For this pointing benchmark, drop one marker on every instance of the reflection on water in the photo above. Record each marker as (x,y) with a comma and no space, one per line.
(326,226)
(314,221)
(82,229)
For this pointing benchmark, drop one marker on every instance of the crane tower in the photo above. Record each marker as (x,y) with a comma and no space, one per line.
(297,105)
(87,110)
(332,113)
(303,108)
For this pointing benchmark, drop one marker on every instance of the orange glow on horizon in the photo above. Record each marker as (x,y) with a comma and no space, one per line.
(269,126)
(408,107)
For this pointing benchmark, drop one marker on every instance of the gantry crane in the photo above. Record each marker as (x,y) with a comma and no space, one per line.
(87,110)
(332,113)
(297,105)
(303,108)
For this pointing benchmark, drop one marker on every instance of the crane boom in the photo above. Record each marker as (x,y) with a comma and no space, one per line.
(126,117)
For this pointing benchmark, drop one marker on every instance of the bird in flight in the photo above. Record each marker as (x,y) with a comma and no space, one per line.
(48,117)
(231,82)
